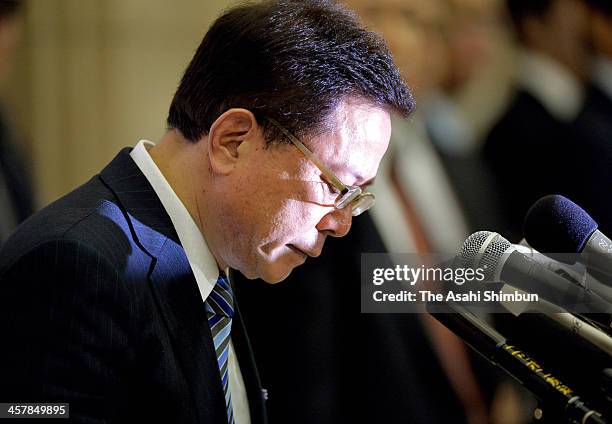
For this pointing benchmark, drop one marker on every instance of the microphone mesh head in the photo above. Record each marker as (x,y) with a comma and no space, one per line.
(480,250)
(471,248)
(555,224)
(493,254)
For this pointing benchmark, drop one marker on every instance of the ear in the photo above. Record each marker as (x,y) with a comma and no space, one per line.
(228,137)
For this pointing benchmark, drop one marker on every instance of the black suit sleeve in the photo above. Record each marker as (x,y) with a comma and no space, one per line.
(64,316)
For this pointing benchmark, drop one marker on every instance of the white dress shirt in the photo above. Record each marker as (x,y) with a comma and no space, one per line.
(200,259)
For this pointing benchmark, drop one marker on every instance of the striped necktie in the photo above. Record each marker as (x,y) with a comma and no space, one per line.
(220,311)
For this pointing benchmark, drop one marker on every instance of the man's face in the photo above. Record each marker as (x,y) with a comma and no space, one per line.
(282,209)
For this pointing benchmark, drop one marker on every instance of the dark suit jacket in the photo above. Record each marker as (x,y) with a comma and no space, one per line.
(531,154)
(99,308)
(594,127)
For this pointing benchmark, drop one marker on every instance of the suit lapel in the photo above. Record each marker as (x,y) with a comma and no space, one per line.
(179,299)
(173,285)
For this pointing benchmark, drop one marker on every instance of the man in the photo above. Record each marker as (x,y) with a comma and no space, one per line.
(115,297)
(531,151)
(456,112)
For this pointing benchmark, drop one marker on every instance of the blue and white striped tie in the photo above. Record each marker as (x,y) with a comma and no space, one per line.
(220,311)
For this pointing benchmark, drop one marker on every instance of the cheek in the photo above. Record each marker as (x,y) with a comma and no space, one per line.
(291,222)
(274,209)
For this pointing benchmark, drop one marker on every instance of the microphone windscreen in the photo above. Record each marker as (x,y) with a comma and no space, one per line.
(555,224)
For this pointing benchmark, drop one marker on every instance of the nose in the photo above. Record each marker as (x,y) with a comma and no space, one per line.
(337,222)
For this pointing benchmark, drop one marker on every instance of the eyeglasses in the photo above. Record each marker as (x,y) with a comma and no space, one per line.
(347,195)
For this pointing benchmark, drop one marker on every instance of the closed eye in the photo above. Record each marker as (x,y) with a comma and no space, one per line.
(330,187)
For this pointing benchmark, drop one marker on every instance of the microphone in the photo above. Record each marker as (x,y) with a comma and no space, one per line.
(573,346)
(500,261)
(575,272)
(590,334)
(492,345)
(555,224)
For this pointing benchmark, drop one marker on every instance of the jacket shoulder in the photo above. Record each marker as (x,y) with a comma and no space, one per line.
(89,216)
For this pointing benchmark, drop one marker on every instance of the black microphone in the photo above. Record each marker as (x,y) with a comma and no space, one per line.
(569,346)
(520,365)
(568,269)
(555,224)
(500,261)
(571,324)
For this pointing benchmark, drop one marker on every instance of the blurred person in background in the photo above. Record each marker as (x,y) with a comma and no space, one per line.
(473,42)
(532,149)
(469,36)
(594,124)
(423,213)
(16,198)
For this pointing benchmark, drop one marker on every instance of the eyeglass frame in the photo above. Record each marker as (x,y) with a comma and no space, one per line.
(347,194)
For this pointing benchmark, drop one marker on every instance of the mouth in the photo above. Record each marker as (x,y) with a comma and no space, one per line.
(299,251)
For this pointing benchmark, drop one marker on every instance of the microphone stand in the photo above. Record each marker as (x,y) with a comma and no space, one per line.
(493,346)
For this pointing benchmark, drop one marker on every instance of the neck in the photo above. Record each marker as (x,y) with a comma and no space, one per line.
(182,164)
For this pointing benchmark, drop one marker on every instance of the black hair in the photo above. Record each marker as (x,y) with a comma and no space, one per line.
(290,60)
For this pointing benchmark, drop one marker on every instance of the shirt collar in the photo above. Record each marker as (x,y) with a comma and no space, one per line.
(602,75)
(554,86)
(200,258)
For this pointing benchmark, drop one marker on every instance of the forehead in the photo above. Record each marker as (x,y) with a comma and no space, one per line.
(356,139)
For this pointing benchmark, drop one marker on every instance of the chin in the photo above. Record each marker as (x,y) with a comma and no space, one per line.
(277,271)
(274,269)
(270,273)
(276,275)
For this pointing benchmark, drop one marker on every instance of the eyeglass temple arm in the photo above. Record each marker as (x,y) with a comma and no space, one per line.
(306,151)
